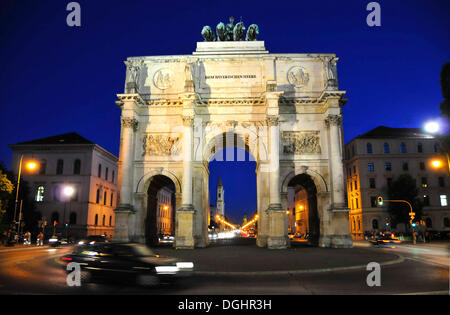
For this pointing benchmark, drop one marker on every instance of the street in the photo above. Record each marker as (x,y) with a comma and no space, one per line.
(408,269)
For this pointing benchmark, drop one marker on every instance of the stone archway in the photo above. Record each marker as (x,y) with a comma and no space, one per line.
(161,205)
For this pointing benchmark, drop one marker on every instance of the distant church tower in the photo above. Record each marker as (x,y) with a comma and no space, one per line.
(220,203)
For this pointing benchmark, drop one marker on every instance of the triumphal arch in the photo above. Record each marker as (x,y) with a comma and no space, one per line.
(284,109)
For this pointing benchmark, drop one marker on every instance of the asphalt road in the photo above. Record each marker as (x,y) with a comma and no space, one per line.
(423,269)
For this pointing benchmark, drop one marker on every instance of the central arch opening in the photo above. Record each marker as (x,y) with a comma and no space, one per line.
(303,194)
(161,205)
(232,192)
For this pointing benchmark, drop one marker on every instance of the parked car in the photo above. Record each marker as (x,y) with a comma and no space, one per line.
(165,239)
(126,263)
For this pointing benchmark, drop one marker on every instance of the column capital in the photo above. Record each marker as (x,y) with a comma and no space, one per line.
(333,120)
(134,99)
(129,122)
(188,121)
(273,120)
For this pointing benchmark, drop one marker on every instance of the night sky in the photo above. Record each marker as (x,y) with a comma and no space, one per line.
(56,79)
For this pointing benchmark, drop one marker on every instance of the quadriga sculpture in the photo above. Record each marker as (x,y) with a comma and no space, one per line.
(239,31)
(252,33)
(208,34)
(221,32)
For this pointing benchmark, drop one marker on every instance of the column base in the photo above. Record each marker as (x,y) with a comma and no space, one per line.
(336,241)
(121,229)
(277,238)
(184,234)
(278,242)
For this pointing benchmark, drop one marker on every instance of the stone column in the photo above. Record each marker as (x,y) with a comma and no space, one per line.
(334,122)
(184,235)
(125,208)
(335,226)
(277,238)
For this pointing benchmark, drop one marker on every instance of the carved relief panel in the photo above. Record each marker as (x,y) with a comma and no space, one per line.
(301,142)
(161,145)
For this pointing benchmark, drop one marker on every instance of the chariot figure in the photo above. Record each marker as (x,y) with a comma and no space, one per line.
(239,31)
(221,32)
(252,33)
(208,34)
(229,29)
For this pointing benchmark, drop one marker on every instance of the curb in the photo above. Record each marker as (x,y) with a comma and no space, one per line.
(400,259)
(4,250)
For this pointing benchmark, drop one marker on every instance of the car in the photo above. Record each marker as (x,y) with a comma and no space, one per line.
(385,238)
(126,263)
(93,239)
(165,239)
(56,241)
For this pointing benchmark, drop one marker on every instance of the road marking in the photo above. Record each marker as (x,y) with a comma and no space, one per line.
(426,293)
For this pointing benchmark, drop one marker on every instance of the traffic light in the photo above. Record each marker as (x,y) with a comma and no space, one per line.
(380,201)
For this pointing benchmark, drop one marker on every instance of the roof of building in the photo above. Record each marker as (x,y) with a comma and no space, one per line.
(66,138)
(382,132)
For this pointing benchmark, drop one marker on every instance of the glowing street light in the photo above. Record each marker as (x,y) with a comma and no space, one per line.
(436,163)
(432,127)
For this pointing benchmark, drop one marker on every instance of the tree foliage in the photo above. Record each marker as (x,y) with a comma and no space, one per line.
(403,188)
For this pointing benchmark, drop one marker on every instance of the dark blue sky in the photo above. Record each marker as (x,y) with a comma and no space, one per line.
(56,79)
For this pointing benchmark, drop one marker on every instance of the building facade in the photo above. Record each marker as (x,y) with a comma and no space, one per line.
(284,109)
(74,184)
(380,156)
(165,213)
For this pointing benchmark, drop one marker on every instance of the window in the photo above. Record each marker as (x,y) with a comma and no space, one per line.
(428,223)
(403,147)
(77,167)
(110,220)
(405,166)
(436,147)
(97,198)
(59,167)
(370,167)
(422,166)
(99,171)
(373,202)
(104,220)
(441,181)
(357,204)
(426,200)
(419,147)
(369,148)
(388,166)
(42,167)
(96,219)
(389,181)
(386,147)
(443,199)
(104,198)
(106,174)
(424,182)
(372,183)
(112,176)
(375,224)
(73,218)
(111,201)
(446,222)
(40,194)
(356,185)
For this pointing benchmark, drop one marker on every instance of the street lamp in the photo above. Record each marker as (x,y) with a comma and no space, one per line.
(68,192)
(438,126)
(31,165)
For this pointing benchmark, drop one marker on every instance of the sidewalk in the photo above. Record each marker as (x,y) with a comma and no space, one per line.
(252,260)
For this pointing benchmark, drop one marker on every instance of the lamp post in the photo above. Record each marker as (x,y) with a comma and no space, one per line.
(435,127)
(68,192)
(31,165)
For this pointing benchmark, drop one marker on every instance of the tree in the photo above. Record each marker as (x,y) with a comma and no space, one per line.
(445,109)
(403,188)
(6,189)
